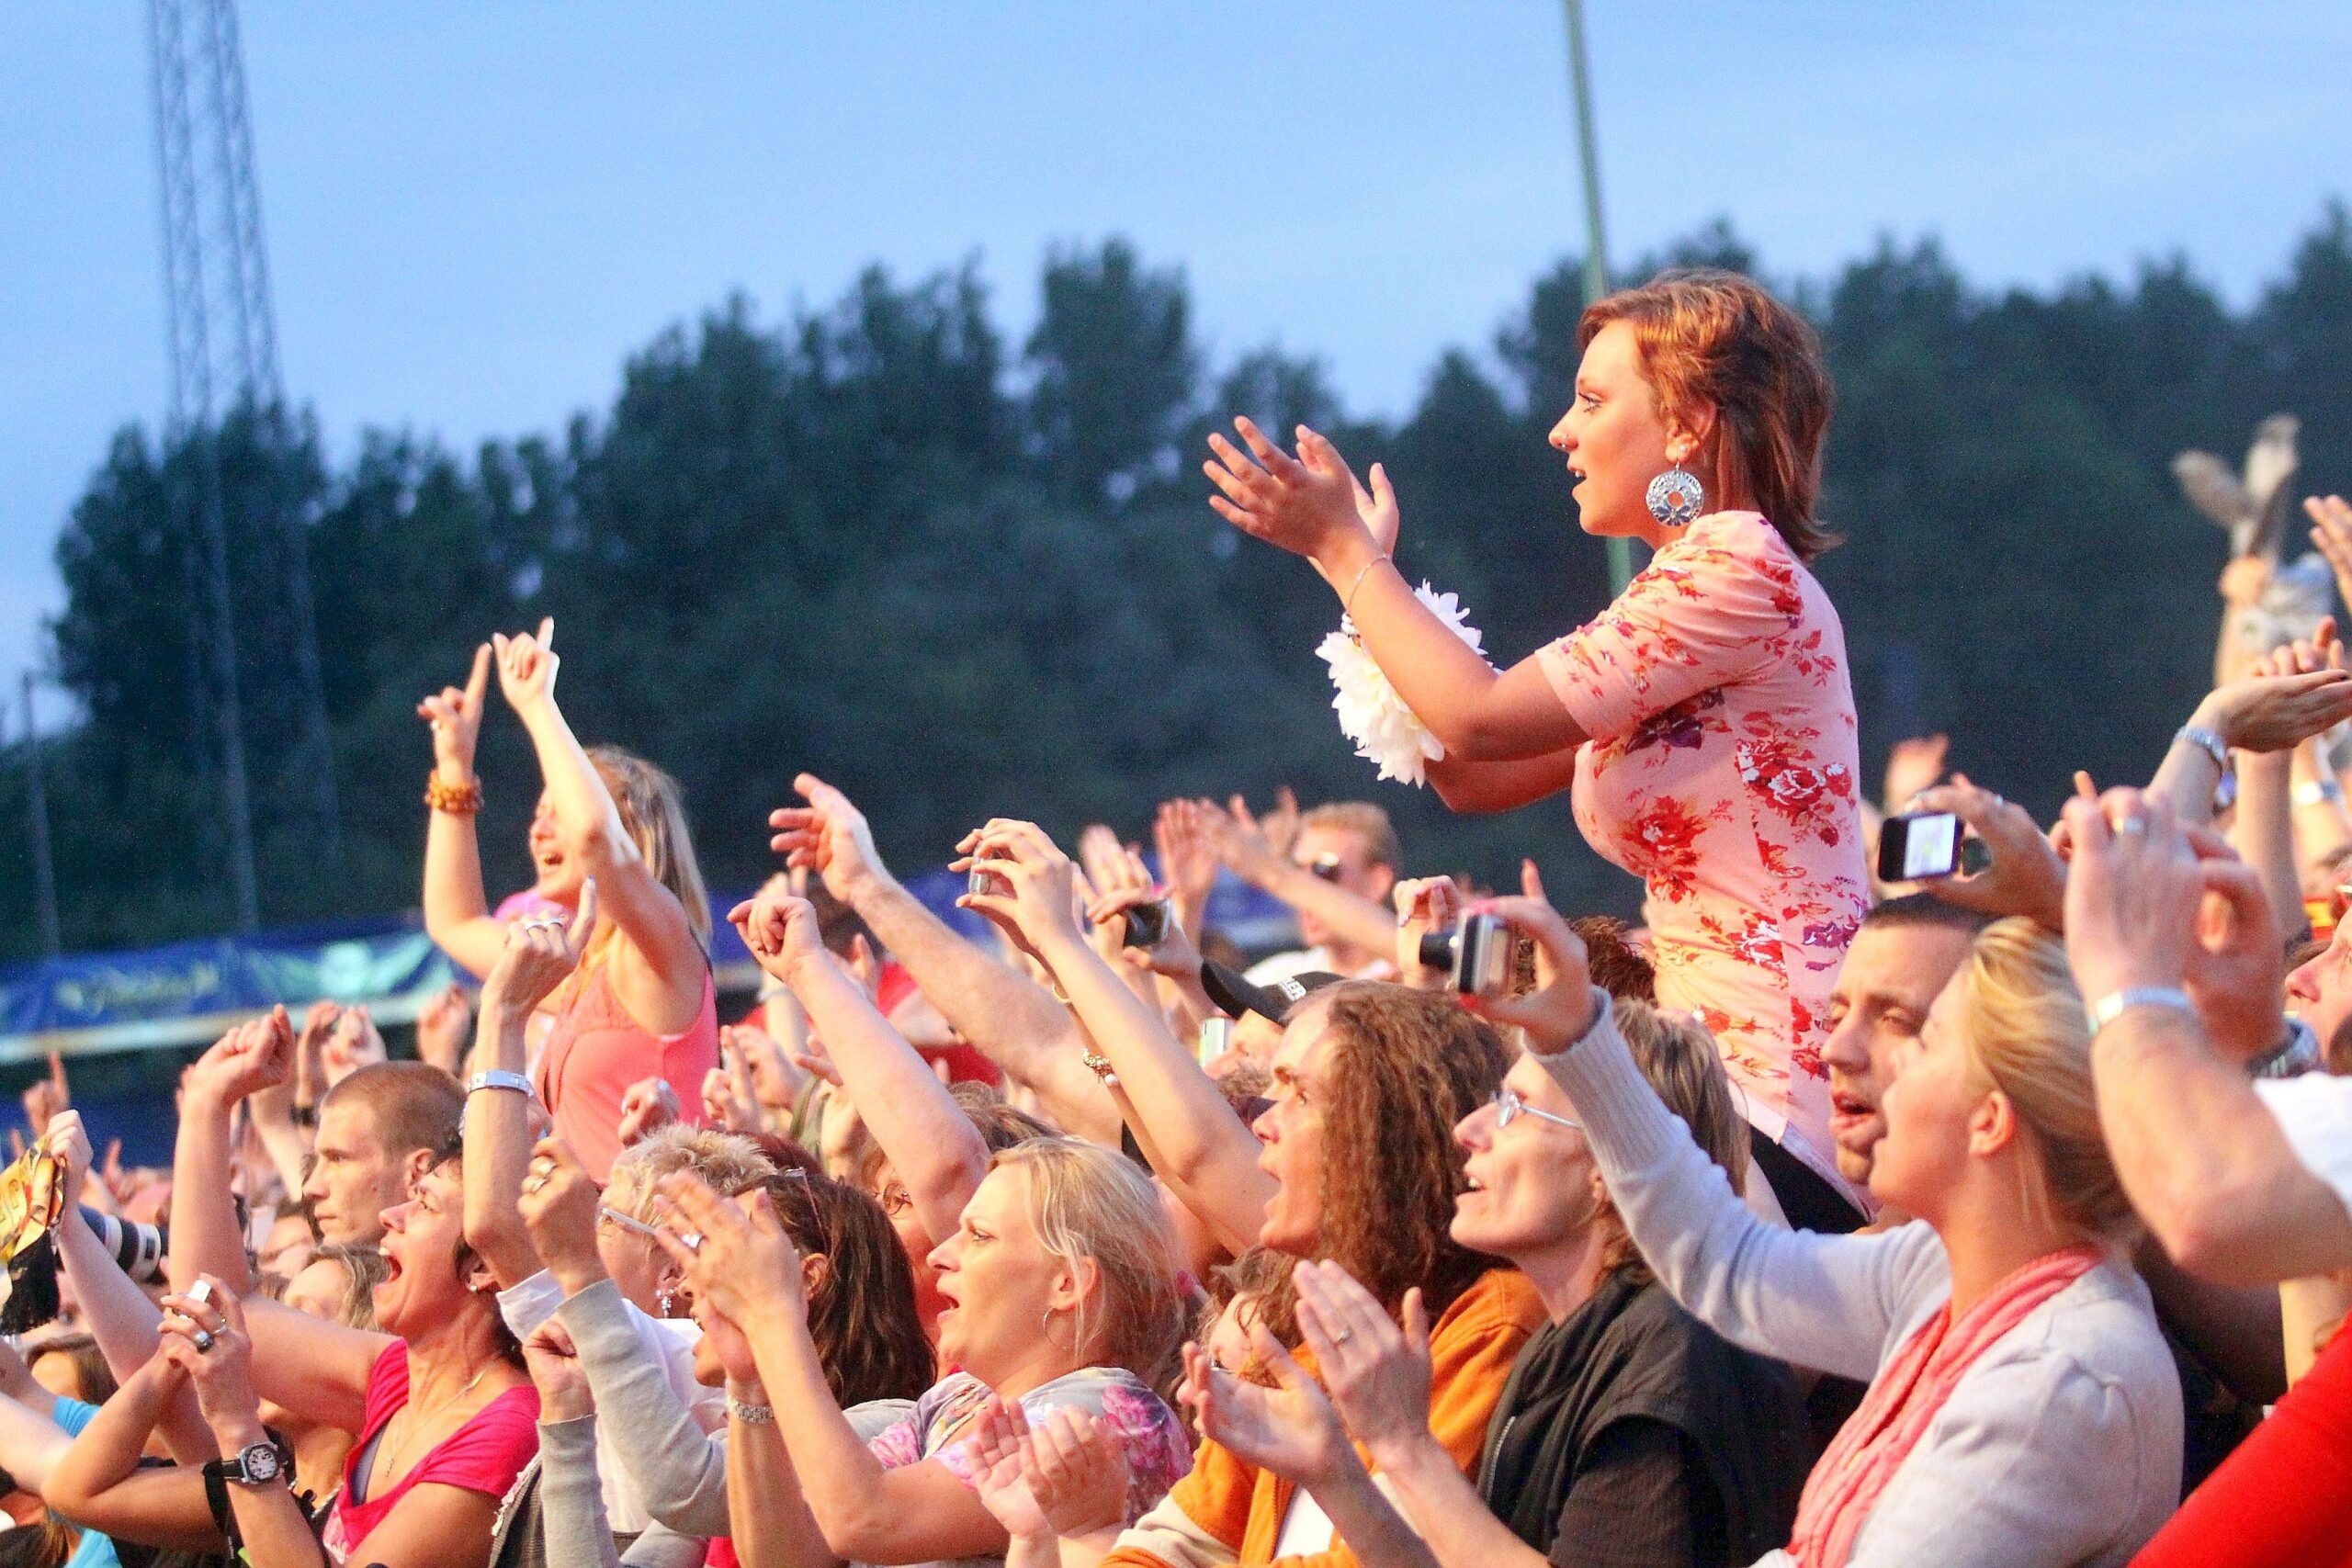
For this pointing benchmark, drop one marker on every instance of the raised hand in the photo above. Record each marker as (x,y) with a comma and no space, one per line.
(727,1099)
(254,1056)
(558,1207)
(2332,536)
(2133,891)
(206,1339)
(647,1104)
(2026,876)
(1038,900)
(1188,858)
(541,951)
(554,1363)
(828,835)
(1306,505)
(527,666)
(444,1027)
(455,716)
(1424,903)
(47,1096)
(354,1043)
(69,1145)
(1243,843)
(781,930)
(1913,765)
(743,1263)
(1376,1374)
(2279,712)
(1560,1010)
(775,1082)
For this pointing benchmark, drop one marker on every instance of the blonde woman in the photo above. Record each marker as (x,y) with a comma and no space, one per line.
(2022,1407)
(642,1005)
(1062,1291)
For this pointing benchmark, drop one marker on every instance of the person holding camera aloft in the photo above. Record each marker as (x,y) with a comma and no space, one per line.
(1705,719)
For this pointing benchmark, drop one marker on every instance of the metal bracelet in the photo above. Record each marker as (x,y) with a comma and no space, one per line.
(2205,740)
(2115,1004)
(750,1415)
(499,1077)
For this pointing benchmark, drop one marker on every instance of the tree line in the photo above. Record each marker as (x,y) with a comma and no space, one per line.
(878,542)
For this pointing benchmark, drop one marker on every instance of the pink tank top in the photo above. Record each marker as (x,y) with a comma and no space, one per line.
(595,1051)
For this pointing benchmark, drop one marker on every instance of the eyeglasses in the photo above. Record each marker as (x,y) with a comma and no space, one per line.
(1329,868)
(627,1221)
(895,1199)
(1509,1108)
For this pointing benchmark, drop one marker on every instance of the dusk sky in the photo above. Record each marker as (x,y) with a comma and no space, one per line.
(474,212)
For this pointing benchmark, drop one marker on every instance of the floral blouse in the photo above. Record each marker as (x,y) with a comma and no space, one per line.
(1153,1440)
(1721,771)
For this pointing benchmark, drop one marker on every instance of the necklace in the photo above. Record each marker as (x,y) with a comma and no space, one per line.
(386,1456)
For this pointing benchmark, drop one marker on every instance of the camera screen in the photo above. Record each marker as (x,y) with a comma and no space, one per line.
(1929,844)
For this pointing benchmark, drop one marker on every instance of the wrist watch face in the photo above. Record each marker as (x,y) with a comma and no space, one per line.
(259,1462)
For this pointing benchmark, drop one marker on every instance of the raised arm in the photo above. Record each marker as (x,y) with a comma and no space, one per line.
(1248,854)
(2260,712)
(1007,1017)
(2205,1161)
(750,1271)
(537,953)
(98,1483)
(1209,1152)
(1308,505)
(1824,1301)
(634,900)
(457,909)
(931,1144)
(206,1235)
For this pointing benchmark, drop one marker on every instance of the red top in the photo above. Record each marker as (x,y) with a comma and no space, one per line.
(484,1455)
(595,1051)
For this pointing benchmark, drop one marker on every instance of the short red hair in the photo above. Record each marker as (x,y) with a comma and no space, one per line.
(1709,336)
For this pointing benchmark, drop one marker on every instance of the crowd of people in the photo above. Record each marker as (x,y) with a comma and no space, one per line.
(1999,1218)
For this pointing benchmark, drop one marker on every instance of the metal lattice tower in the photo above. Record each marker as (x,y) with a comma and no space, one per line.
(224,341)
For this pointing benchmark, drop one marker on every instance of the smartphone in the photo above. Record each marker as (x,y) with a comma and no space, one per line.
(1926,846)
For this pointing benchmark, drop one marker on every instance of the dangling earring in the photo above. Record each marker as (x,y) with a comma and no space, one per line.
(666,1298)
(1676,496)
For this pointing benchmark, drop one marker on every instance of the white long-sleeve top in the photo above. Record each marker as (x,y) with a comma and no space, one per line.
(2061,1445)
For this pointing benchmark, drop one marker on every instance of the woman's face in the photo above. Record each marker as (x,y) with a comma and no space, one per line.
(1000,1286)
(318,1291)
(1614,436)
(420,1241)
(1290,1133)
(640,1270)
(1935,1095)
(891,1193)
(559,873)
(1532,1185)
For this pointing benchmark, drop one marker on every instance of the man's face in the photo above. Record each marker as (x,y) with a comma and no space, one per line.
(1341,856)
(355,1178)
(1889,980)
(2319,991)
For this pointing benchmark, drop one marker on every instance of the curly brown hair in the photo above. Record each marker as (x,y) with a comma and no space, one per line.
(861,1315)
(1405,1067)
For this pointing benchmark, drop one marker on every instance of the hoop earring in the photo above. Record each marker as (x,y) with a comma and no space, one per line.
(1675,497)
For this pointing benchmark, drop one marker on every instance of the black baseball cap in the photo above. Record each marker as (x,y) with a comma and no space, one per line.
(1272,1002)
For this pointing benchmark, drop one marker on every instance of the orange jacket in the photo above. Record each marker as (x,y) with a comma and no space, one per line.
(1227,1511)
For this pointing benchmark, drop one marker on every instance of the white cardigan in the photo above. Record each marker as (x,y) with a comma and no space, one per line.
(2061,1445)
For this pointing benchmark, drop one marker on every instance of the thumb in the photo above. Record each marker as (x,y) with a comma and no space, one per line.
(1530,881)
(547,632)
(1277,1358)
(1416,1322)
(583,921)
(1382,491)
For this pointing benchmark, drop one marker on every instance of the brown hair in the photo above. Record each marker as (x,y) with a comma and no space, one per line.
(415,1106)
(1090,1202)
(1365,820)
(1407,1067)
(93,1379)
(1709,336)
(1685,1070)
(653,814)
(1617,966)
(861,1315)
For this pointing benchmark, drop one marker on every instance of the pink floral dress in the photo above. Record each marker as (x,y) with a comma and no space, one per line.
(1721,771)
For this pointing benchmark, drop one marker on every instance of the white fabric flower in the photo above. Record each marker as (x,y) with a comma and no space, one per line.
(1371,713)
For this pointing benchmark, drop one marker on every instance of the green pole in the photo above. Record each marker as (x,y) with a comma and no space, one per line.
(1596,249)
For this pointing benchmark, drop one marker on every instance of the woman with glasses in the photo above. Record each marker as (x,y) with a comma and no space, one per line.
(1628,1431)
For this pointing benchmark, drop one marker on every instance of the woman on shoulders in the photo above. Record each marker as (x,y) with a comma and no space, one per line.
(642,1005)
(1704,720)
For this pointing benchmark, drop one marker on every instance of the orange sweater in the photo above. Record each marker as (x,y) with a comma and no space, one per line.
(1227,1511)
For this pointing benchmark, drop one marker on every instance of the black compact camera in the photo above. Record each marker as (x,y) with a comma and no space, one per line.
(1476,955)
(1146,924)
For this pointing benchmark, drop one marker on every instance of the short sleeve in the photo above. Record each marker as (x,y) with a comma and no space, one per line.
(2315,1113)
(1700,616)
(71,1414)
(487,1452)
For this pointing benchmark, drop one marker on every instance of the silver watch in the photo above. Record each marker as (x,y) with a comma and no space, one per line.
(256,1465)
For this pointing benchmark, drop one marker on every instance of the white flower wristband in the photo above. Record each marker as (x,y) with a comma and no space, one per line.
(1371,713)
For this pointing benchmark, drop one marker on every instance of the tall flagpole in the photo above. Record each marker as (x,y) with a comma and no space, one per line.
(1596,249)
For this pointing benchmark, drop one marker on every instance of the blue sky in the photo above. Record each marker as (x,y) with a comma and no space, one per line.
(475,212)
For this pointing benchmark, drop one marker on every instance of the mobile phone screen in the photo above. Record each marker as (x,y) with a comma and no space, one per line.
(1913,848)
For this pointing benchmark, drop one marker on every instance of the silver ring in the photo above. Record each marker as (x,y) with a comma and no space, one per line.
(532,1184)
(2133,826)
(691,1241)
(1342,1337)
(1999,799)
(202,1339)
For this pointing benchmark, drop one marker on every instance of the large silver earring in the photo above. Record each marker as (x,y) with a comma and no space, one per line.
(1675,497)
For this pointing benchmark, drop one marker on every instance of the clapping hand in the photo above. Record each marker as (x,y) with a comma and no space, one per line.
(741,1262)
(1289,1428)
(1305,505)
(1377,1374)
(558,1207)
(1187,854)
(1067,1475)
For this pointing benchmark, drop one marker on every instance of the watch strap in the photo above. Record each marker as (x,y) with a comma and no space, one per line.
(2115,1004)
(499,1077)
